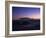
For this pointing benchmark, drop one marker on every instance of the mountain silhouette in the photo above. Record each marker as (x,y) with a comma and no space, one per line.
(25,24)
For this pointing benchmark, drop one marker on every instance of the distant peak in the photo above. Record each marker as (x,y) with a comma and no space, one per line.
(25,18)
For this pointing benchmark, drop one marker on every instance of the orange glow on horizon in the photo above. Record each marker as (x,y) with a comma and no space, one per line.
(34,16)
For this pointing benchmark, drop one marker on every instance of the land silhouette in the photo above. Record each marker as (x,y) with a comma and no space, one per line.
(22,24)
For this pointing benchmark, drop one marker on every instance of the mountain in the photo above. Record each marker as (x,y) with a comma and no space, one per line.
(25,24)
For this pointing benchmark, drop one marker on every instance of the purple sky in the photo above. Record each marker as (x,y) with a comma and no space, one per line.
(20,12)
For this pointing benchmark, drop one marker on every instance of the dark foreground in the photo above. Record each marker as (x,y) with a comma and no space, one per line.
(25,24)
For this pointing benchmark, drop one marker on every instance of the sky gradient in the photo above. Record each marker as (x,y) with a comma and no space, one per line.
(20,12)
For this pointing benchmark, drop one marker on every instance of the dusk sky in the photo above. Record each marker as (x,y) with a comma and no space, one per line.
(20,12)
